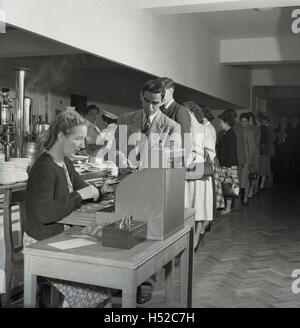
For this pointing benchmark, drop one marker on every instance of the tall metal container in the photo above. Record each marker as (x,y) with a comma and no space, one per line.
(19,112)
(28,115)
(6,107)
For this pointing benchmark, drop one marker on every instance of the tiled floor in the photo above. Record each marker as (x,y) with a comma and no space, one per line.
(247,259)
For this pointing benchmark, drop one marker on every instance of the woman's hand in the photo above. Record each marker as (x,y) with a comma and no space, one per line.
(105,189)
(89,192)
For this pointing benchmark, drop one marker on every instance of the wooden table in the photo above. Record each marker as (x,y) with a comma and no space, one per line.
(13,187)
(111,267)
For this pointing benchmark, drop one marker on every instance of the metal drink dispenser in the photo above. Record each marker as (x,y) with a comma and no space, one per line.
(6,108)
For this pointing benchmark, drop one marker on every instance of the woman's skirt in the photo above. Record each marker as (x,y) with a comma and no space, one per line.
(229,174)
(219,199)
(264,165)
(199,195)
(244,183)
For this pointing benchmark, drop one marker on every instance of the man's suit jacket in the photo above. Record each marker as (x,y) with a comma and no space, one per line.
(162,128)
(180,115)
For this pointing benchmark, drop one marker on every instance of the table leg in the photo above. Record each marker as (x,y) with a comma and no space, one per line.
(129,292)
(190,258)
(169,281)
(30,285)
(183,280)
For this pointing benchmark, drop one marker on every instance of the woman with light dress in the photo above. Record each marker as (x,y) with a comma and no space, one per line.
(199,193)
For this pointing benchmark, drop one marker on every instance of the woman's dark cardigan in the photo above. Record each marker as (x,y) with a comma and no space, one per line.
(48,199)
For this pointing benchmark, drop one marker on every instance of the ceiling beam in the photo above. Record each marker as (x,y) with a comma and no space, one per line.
(174,7)
(269,50)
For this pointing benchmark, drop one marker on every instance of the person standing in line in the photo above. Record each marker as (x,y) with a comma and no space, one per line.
(241,151)
(294,132)
(172,109)
(266,150)
(211,139)
(250,149)
(151,126)
(199,193)
(227,155)
(254,125)
(282,150)
(240,145)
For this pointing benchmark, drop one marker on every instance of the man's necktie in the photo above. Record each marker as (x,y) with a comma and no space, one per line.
(145,131)
(146,126)
(163,109)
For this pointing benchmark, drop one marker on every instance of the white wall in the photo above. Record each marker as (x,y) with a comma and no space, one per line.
(260,50)
(178,46)
(276,77)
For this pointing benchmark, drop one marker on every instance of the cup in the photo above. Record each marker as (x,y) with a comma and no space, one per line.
(96,160)
(114,171)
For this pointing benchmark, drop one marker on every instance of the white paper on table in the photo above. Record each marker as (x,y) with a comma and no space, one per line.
(72,243)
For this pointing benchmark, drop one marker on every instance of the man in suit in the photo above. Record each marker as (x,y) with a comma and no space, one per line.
(172,109)
(148,127)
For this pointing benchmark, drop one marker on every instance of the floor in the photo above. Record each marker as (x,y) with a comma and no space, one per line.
(247,259)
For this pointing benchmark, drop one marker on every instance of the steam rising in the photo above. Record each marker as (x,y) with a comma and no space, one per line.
(53,72)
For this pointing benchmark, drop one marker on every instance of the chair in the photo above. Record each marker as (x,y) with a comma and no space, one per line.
(14,259)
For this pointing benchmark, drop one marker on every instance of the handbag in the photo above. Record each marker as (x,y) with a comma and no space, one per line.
(253,174)
(230,189)
(197,171)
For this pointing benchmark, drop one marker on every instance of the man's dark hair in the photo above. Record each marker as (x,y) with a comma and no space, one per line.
(194,108)
(232,112)
(91,107)
(167,82)
(244,115)
(251,115)
(154,86)
(207,112)
(227,117)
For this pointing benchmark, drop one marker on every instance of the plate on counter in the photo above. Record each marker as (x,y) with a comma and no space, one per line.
(112,181)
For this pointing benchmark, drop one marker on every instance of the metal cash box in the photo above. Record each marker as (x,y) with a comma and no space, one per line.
(122,235)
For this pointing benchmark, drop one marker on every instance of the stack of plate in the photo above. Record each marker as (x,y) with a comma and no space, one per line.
(2,157)
(32,151)
(21,167)
(8,173)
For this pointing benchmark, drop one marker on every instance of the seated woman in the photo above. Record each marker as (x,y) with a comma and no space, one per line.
(54,190)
